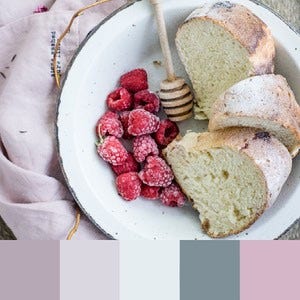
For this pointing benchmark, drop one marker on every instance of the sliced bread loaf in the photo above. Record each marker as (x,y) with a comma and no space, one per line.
(265,102)
(231,176)
(219,45)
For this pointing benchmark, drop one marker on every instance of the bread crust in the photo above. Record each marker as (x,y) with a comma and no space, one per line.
(251,32)
(265,97)
(270,157)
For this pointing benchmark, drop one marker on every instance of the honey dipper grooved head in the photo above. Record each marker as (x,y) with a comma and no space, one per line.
(176,99)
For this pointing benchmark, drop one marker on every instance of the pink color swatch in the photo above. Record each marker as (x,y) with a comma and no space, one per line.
(270,270)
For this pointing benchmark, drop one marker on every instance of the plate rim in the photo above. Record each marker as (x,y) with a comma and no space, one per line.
(65,77)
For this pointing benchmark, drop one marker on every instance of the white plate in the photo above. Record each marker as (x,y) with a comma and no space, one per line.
(128,40)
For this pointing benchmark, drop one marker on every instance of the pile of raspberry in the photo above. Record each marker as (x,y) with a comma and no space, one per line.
(132,116)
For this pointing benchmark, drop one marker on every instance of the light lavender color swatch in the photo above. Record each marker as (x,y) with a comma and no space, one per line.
(149,270)
(29,270)
(89,270)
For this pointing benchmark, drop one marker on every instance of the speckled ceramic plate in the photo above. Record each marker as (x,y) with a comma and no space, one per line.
(127,40)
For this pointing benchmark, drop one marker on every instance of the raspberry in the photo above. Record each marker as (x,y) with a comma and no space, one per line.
(112,151)
(130,165)
(129,185)
(146,100)
(119,100)
(142,122)
(143,146)
(150,192)
(134,81)
(172,196)
(156,172)
(109,124)
(166,132)
(124,118)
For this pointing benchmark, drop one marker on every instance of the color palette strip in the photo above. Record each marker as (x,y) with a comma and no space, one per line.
(134,270)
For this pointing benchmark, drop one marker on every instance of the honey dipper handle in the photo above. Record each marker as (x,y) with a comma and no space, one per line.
(163,37)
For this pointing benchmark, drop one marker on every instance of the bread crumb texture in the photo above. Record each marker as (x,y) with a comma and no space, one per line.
(231,176)
(220,45)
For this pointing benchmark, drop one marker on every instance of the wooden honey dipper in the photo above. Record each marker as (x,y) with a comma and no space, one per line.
(175,94)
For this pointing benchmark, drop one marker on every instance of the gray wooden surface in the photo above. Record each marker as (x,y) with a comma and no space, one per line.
(290,11)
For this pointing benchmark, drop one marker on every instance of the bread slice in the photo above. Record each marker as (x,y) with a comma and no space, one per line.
(221,44)
(265,102)
(231,176)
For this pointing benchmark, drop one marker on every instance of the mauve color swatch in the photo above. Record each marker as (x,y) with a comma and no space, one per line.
(270,270)
(89,270)
(209,270)
(29,270)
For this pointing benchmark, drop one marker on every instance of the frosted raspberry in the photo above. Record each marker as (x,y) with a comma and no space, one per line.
(124,118)
(166,132)
(129,165)
(112,151)
(109,124)
(150,192)
(146,100)
(142,122)
(172,196)
(135,80)
(119,100)
(143,146)
(129,185)
(156,172)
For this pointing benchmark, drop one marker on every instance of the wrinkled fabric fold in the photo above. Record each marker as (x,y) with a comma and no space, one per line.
(34,200)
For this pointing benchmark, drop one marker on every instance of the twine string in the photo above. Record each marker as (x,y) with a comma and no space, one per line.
(57,81)
(76,225)
(67,30)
